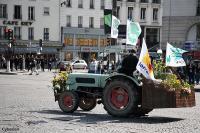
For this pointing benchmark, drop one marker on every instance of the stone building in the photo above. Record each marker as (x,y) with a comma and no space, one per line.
(31,20)
(181,23)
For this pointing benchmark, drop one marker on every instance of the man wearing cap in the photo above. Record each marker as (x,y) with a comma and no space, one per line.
(129,63)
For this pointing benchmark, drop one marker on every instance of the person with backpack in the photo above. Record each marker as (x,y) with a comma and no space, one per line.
(34,66)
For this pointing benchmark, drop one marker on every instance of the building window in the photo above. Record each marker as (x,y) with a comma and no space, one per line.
(130,13)
(3,11)
(101,23)
(68,3)
(198,32)
(31,13)
(30,33)
(118,10)
(46,34)
(198,8)
(91,22)
(2,32)
(102,4)
(143,14)
(143,1)
(131,0)
(46,11)
(156,1)
(152,37)
(91,4)
(155,14)
(68,21)
(80,21)
(17,33)
(80,3)
(17,12)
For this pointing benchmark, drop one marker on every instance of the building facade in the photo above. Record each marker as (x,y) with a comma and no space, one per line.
(82,28)
(31,20)
(148,13)
(181,22)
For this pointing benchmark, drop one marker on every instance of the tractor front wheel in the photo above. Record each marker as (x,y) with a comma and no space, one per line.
(87,104)
(120,98)
(68,101)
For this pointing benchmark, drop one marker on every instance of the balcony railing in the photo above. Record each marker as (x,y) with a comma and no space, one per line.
(91,6)
(156,1)
(91,26)
(4,15)
(198,11)
(102,7)
(101,26)
(144,1)
(68,24)
(130,0)
(16,16)
(80,6)
(80,25)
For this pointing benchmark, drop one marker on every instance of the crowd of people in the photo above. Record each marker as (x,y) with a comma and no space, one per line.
(100,67)
(31,63)
(190,73)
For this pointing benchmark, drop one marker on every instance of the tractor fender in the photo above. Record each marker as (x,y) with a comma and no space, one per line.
(119,75)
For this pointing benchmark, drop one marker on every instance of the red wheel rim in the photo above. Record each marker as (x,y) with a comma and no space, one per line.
(119,97)
(68,101)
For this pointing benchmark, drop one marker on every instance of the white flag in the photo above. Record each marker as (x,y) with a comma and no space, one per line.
(114,27)
(174,56)
(144,65)
(133,31)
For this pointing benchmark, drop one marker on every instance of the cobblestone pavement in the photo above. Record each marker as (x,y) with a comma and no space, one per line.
(27,106)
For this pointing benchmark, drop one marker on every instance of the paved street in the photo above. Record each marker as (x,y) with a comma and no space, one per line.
(27,106)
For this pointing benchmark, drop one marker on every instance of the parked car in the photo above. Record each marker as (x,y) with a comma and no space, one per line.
(79,64)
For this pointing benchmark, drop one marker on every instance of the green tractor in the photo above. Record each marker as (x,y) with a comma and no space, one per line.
(120,94)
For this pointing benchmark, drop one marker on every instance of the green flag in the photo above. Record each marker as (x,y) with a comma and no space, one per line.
(107,20)
(133,31)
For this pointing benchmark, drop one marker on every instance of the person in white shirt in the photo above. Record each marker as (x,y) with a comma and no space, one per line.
(93,66)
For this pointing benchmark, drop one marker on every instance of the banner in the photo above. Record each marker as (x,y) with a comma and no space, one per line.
(144,65)
(114,27)
(174,56)
(133,31)
(107,20)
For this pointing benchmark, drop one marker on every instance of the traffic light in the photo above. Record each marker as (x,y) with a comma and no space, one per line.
(10,34)
(13,41)
(40,43)
(108,41)
(6,33)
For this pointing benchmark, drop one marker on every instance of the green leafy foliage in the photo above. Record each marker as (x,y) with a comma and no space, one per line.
(159,69)
(170,80)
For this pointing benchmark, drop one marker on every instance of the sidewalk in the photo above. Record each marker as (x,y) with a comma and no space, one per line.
(3,71)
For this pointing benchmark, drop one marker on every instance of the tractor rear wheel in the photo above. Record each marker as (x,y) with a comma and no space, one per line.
(68,101)
(120,98)
(87,104)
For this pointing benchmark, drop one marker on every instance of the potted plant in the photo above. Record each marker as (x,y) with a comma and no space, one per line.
(59,83)
(167,92)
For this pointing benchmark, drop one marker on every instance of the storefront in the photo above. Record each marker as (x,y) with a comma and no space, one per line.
(83,43)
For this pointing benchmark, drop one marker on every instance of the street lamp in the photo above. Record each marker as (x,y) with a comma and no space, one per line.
(159,52)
